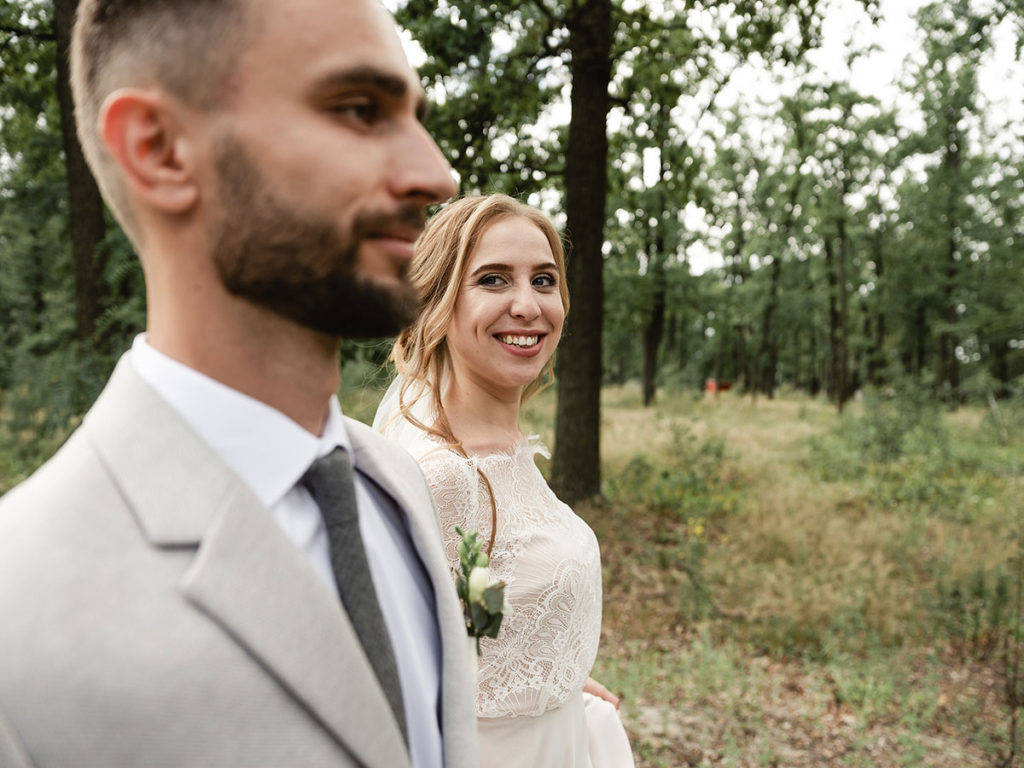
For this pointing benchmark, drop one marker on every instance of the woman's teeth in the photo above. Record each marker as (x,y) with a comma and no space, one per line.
(519,341)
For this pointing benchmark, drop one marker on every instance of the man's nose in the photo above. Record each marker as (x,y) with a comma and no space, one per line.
(420,171)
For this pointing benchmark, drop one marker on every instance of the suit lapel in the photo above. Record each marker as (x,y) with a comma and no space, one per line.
(408,489)
(250,579)
(246,576)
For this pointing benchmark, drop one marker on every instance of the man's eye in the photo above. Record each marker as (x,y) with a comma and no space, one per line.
(362,110)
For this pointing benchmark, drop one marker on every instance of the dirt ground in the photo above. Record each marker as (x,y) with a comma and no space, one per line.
(795,721)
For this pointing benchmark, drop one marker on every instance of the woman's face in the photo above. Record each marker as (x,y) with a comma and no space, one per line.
(508,314)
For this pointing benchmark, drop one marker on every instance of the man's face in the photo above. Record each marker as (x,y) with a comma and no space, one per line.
(323,170)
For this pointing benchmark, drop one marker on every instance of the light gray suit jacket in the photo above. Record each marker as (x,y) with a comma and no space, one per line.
(152,613)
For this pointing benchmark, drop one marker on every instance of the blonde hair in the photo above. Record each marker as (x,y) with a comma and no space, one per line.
(189,48)
(443,251)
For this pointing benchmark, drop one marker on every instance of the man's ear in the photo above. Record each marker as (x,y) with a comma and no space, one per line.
(143,131)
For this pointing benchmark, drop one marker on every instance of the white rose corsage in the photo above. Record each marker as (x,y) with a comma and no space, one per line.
(483,602)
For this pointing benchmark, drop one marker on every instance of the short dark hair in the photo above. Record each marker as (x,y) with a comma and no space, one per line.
(187,47)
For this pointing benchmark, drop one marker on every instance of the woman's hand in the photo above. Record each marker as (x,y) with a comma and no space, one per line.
(594,688)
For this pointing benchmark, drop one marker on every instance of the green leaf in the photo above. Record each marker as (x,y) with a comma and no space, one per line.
(493,597)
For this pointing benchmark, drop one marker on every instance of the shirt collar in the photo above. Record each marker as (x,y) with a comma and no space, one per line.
(265,448)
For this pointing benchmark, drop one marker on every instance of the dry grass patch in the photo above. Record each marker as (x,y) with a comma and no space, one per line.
(794,602)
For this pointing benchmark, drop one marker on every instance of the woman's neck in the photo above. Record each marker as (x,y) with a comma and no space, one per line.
(483,420)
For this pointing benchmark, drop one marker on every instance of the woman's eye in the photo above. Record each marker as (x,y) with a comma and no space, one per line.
(544,281)
(492,280)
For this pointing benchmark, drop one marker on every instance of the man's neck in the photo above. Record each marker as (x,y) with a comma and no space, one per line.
(256,352)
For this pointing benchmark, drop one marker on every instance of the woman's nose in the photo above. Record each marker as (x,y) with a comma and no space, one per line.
(524,303)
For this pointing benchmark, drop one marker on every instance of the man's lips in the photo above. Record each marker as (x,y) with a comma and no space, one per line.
(396,232)
(400,243)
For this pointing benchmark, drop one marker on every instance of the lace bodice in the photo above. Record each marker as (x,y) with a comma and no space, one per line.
(549,560)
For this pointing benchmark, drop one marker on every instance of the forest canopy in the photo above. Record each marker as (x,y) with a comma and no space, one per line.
(855,249)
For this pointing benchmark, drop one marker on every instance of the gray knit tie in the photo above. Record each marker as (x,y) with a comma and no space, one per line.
(329,481)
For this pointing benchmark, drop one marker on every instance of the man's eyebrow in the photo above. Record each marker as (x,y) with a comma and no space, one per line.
(387,82)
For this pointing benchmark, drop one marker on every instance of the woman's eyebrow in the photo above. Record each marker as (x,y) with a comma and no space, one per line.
(550,265)
(490,268)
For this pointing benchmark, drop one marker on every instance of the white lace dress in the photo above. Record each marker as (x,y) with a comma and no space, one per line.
(530,707)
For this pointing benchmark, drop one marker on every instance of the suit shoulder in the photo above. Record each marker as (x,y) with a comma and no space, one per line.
(65,478)
(366,438)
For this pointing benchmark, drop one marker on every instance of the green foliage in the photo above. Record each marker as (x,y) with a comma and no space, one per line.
(688,497)
(901,450)
(975,611)
(901,421)
(928,216)
(689,487)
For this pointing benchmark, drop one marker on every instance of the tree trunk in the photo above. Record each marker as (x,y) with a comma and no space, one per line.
(832,377)
(1001,368)
(876,360)
(85,206)
(719,359)
(798,373)
(767,350)
(576,469)
(843,375)
(947,377)
(742,362)
(671,336)
(656,320)
(920,339)
(815,383)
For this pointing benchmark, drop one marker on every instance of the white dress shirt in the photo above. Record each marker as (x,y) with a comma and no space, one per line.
(271,453)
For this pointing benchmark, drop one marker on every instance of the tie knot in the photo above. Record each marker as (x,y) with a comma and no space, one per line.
(329,482)
(328,469)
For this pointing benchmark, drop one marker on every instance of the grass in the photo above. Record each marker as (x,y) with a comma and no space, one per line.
(788,587)
(785,587)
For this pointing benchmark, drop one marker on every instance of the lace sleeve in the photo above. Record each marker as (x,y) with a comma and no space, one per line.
(458,492)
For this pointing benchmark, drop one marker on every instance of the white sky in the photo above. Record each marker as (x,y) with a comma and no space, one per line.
(877,73)
(847,27)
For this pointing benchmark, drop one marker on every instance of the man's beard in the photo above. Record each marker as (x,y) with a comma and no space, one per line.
(300,267)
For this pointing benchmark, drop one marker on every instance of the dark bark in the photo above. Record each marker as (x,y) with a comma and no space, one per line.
(656,320)
(719,358)
(85,206)
(842,384)
(671,336)
(1001,368)
(815,382)
(842,375)
(832,364)
(947,377)
(876,359)
(798,373)
(742,366)
(920,340)
(576,469)
(767,351)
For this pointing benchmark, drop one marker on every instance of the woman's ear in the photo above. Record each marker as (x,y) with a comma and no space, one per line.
(142,130)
